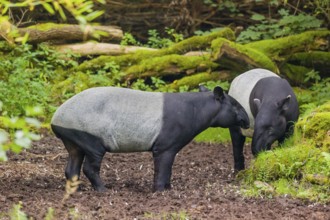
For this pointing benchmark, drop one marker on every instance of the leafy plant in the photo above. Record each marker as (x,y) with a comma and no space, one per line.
(19,132)
(16,213)
(128,39)
(272,28)
(156,41)
(222,5)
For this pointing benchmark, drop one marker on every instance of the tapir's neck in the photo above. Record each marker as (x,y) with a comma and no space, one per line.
(205,110)
(193,111)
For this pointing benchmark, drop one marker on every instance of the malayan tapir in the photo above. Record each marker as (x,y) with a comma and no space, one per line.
(110,119)
(272,108)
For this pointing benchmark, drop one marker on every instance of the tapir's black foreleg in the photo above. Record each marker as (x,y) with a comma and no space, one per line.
(163,163)
(238,145)
(92,165)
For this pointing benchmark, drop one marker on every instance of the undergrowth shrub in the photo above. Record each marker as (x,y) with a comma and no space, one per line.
(272,28)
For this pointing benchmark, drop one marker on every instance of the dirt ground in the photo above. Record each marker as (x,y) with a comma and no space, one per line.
(202,181)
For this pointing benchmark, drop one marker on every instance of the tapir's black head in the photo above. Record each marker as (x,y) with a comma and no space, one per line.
(231,113)
(270,124)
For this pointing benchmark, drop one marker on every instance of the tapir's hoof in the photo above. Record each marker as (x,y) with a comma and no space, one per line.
(100,189)
(162,188)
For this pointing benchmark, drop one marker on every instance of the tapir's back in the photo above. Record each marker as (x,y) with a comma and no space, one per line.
(241,88)
(124,119)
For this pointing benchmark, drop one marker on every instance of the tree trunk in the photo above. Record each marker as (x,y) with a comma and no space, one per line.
(93,48)
(68,33)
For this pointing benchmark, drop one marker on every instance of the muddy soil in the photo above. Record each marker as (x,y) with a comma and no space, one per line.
(203,188)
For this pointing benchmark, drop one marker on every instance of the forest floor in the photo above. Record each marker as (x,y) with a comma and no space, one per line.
(203,188)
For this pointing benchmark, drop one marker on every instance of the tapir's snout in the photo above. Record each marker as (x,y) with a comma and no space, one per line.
(245,124)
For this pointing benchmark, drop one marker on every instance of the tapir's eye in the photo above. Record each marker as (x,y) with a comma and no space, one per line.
(270,131)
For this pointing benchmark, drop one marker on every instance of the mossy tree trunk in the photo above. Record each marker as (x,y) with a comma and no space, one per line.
(50,32)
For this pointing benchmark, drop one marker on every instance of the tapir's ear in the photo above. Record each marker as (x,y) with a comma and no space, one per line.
(218,93)
(257,102)
(284,104)
(202,88)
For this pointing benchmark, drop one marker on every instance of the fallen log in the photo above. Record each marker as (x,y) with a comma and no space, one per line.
(306,41)
(191,44)
(66,33)
(317,60)
(94,48)
(238,57)
(173,64)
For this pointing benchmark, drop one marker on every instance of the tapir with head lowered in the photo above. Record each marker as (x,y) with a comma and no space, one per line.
(109,119)
(272,108)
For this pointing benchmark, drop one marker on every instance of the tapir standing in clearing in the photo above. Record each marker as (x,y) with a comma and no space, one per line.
(109,119)
(272,108)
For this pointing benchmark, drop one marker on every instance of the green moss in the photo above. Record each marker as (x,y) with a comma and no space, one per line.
(311,58)
(199,42)
(250,55)
(303,164)
(290,44)
(214,135)
(295,73)
(189,44)
(124,61)
(315,125)
(46,26)
(169,64)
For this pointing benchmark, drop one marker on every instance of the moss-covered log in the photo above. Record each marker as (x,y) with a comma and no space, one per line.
(67,32)
(170,65)
(275,48)
(225,55)
(190,44)
(316,126)
(317,60)
(238,57)
(194,80)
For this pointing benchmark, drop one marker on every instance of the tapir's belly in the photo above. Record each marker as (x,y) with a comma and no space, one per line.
(125,120)
(241,88)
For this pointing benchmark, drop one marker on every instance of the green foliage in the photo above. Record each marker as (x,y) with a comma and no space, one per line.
(316,95)
(211,84)
(155,41)
(156,84)
(208,32)
(128,39)
(272,28)
(82,10)
(25,93)
(302,164)
(26,78)
(222,5)
(16,213)
(18,133)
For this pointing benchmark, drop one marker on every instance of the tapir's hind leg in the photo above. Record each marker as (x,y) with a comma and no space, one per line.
(73,167)
(92,167)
